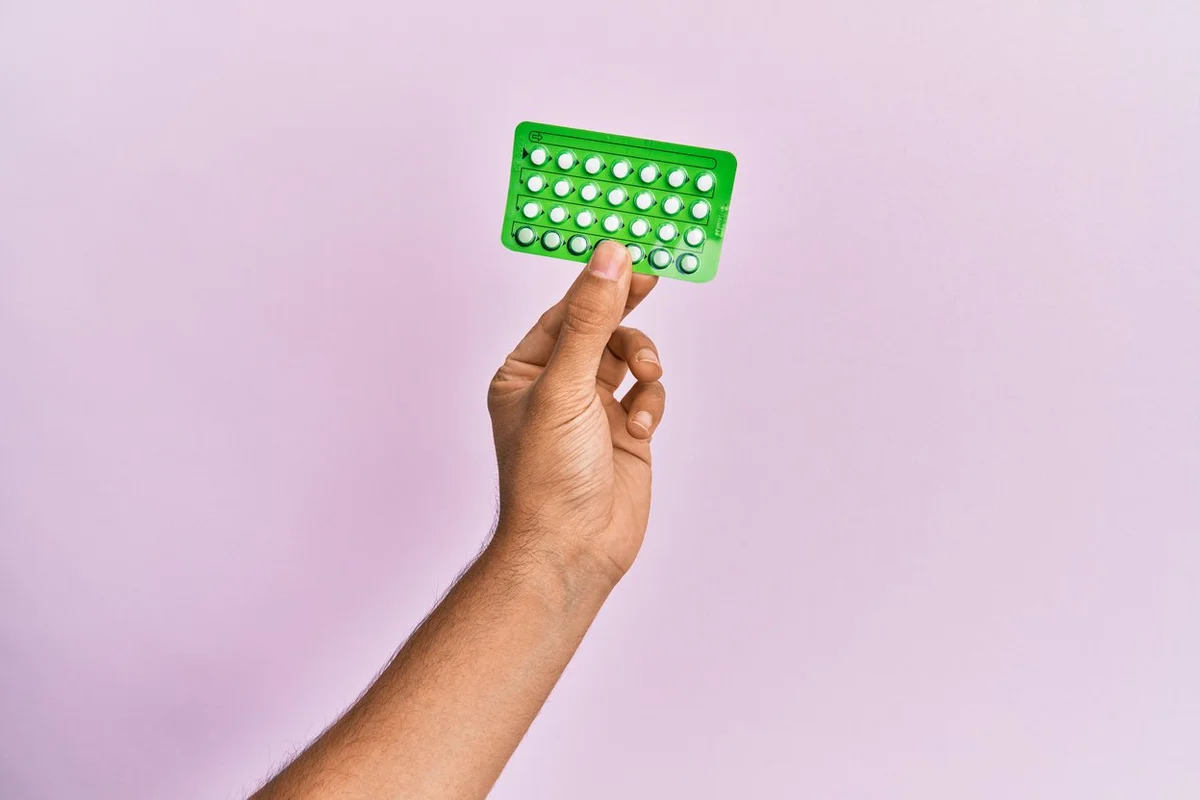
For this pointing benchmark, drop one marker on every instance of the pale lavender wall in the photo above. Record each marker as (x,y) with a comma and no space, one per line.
(926,520)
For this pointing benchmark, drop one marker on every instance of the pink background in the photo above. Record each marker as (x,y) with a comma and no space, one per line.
(927,495)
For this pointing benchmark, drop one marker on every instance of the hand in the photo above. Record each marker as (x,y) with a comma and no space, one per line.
(574,462)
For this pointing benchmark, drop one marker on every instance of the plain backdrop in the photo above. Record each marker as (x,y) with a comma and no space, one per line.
(927,494)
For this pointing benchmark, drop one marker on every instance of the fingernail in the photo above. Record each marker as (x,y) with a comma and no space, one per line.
(643,420)
(647,355)
(608,260)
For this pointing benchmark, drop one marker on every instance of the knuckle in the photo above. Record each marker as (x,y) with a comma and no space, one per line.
(588,314)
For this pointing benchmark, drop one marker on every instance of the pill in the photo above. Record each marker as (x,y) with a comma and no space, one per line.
(558,215)
(620,169)
(694,236)
(593,164)
(577,244)
(566,159)
(612,223)
(644,201)
(616,196)
(585,218)
(672,205)
(660,258)
(562,187)
(688,263)
(635,252)
(639,227)
(531,209)
(589,192)
(666,232)
(525,236)
(648,173)
(551,240)
(699,209)
(539,156)
(676,178)
(704,181)
(536,183)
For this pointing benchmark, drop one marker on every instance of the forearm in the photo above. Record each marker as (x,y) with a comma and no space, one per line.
(444,717)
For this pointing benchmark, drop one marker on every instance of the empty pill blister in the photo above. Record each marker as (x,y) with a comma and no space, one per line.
(571,189)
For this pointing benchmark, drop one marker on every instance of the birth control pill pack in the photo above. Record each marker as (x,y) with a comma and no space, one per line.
(571,189)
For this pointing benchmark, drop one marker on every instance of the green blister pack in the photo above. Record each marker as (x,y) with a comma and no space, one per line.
(571,189)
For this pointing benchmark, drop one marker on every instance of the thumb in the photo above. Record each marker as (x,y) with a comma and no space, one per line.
(594,306)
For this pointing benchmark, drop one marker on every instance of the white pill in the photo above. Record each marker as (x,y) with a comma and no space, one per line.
(635,253)
(562,187)
(639,227)
(612,223)
(531,210)
(704,181)
(648,173)
(694,236)
(644,201)
(539,156)
(666,232)
(577,244)
(551,240)
(566,159)
(558,215)
(589,192)
(699,209)
(620,170)
(672,205)
(616,196)
(526,235)
(536,183)
(676,177)
(585,218)
(660,258)
(688,263)
(593,164)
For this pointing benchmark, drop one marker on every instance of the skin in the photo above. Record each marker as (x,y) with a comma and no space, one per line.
(443,718)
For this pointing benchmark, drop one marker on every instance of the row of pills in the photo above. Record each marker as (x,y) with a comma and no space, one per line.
(617,196)
(622,169)
(639,227)
(578,244)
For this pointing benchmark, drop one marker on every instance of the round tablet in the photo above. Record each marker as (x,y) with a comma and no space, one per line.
(694,236)
(585,218)
(666,231)
(525,236)
(704,181)
(577,244)
(566,159)
(672,205)
(688,263)
(660,259)
(639,227)
(635,253)
(593,164)
(612,223)
(699,209)
(616,196)
(535,183)
(558,215)
(676,178)
(648,173)
(562,187)
(551,240)
(589,192)
(539,156)
(531,210)
(644,201)
(621,169)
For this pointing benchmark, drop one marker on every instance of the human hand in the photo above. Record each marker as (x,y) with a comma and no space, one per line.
(574,462)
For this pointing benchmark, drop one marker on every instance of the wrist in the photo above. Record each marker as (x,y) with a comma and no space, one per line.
(563,569)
